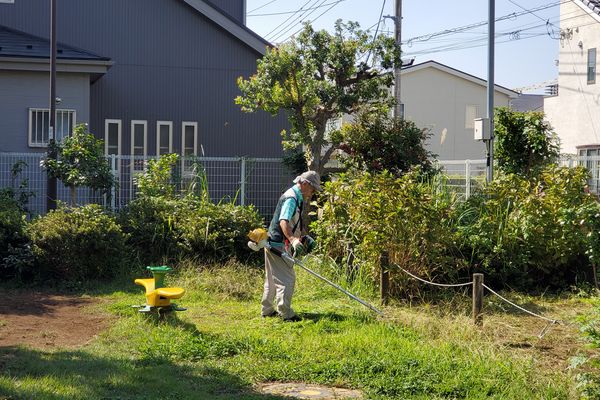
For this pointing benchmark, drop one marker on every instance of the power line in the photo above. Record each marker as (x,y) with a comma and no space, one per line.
(319,16)
(264,5)
(287,19)
(288,12)
(376,30)
(297,21)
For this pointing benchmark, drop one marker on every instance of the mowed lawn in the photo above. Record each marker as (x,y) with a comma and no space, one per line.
(220,348)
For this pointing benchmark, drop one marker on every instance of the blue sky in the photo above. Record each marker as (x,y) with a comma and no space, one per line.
(525,53)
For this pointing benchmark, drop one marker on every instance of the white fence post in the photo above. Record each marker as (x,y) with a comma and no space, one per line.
(467,179)
(243,182)
(113,192)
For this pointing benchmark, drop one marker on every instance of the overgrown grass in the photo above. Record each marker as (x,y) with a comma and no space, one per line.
(221,348)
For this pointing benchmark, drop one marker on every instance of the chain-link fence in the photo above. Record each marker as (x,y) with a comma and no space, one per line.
(243,181)
(467,176)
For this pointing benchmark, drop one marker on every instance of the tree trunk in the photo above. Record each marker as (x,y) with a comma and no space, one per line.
(73,196)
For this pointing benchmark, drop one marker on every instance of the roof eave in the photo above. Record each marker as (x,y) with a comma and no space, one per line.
(241,32)
(94,67)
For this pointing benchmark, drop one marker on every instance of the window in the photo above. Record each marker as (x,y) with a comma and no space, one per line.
(39,125)
(471,113)
(591,66)
(189,139)
(164,137)
(112,137)
(590,158)
(139,133)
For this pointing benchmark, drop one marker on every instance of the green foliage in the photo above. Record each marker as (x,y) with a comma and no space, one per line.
(532,231)
(18,192)
(150,225)
(217,231)
(524,142)
(158,180)
(75,244)
(375,142)
(189,227)
(79,161)
(318,76)
(13,239)
(409,217)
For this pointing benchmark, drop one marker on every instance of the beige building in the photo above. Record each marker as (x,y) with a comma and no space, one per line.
(575,112)
(447,101)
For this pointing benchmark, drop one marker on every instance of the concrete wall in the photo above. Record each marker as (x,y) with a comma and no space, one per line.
(575,112)
(21,91)
(438,100)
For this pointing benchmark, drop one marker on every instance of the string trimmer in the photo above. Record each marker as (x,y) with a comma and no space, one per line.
(259,239)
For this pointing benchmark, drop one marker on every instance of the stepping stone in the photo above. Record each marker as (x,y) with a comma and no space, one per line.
(308,391)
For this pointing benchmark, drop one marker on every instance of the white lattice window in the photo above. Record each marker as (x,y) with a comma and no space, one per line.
(39,126)
(112,137)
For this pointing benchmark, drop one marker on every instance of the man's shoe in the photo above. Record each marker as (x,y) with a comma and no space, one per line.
(294,318)
(269,315)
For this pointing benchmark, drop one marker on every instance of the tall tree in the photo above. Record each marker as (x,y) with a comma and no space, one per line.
(317,77)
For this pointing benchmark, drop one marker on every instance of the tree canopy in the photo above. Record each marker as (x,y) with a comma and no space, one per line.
(317,77)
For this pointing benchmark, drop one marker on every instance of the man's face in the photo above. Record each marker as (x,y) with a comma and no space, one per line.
(308,189)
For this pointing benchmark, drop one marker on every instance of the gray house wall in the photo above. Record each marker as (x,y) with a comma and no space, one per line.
(235,8)
(170,64)
(21,91)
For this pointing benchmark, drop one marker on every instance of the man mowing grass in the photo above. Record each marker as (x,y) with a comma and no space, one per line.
(285,232)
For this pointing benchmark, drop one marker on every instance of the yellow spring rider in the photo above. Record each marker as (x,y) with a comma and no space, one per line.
(159,297)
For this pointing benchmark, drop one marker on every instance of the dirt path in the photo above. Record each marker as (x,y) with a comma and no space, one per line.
(46,321)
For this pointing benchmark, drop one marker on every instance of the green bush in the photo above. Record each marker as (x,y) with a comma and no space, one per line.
(13,239)
(150,225)
(529,232)
(76,244)
(408,216)
(217,231)
(160,228)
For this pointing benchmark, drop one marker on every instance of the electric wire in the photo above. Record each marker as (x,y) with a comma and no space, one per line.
(319,16)
(264,5)
(287,19)
(288,12)
(301,18)
(376,30)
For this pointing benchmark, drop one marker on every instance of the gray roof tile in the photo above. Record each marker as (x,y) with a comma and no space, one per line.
(15,43)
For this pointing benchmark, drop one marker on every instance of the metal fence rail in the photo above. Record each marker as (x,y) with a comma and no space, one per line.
(467,176)
(243,181)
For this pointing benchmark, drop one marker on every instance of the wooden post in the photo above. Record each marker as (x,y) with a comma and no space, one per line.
(477,299)
(385,277)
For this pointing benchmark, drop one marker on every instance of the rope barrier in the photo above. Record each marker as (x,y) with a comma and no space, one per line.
(540,335)
(433,283)
(550,321)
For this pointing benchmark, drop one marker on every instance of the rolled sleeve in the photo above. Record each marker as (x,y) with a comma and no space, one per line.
(288,209)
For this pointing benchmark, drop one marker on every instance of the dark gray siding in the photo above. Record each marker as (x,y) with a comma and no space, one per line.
(20,91)
(234,8)
(170,63)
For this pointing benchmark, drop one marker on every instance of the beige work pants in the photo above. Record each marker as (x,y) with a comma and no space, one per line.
(280,279)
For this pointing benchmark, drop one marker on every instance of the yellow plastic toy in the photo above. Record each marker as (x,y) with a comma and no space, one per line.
(159,297)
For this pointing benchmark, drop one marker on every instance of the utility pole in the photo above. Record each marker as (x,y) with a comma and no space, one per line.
(398,110)
(490,90)
(52,190)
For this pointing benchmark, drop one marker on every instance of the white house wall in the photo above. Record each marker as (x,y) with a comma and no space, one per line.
(438,100)
(575,112)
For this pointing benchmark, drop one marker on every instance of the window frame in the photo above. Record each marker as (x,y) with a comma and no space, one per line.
(591,69)
(185,124)
(159,124)
(119,135)
(135,122)
(30,112)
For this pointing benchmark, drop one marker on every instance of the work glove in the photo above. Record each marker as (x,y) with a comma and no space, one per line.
(297,247)
(309,243)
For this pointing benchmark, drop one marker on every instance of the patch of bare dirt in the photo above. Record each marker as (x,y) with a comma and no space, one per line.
(46,321)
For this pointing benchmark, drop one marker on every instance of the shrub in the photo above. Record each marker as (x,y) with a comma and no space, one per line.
(407,216)
(160,228)
(217,231)
(157,180)
(13,239)
(150,225)
(530,231)
(78,243)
